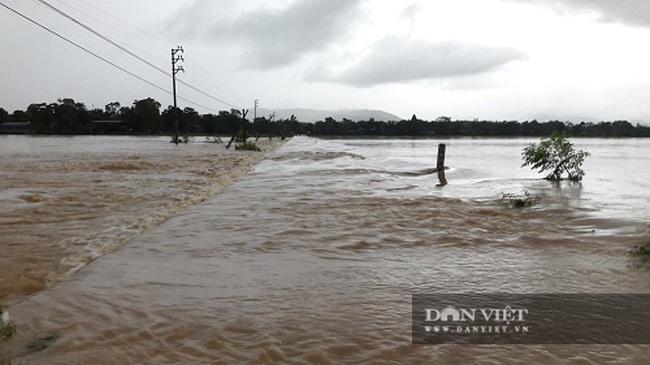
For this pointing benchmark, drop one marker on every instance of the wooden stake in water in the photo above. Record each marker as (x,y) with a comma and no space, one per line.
(440,165)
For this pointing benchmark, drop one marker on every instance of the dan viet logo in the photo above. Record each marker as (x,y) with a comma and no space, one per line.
(476,320)
(541,318)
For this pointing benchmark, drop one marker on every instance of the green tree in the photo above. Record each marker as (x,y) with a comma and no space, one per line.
(210,124)
(69,116)
(169,117)
(556,155)
(41,117)
(19,116)
(622,128)
(4,116)
(190,121)
(113,110)
(145,116)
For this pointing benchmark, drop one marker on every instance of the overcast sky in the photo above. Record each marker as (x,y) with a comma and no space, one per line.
(488,59)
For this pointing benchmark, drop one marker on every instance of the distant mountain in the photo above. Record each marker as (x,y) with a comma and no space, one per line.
(565,118)
(312,115)
(577,119)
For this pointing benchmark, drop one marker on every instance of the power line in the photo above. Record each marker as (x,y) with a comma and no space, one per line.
(122,48)
(139,38)
(107,14)
(122,27)
(80,46)
(208,95)
(197,104)
(97,55)
(72,19)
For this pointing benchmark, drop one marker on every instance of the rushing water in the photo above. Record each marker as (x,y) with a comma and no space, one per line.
(313,258)
(68,200)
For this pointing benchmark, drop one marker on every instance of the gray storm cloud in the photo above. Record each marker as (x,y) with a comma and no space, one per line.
(394,60)
(273,37)
(632,12)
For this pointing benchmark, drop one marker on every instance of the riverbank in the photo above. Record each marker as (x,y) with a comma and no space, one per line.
(64,206)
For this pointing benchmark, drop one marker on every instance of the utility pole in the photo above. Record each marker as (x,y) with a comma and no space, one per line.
(176,57)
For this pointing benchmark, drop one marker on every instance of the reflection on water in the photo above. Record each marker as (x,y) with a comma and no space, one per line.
(312,259)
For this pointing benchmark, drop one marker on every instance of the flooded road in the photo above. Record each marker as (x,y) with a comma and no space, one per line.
(313,258)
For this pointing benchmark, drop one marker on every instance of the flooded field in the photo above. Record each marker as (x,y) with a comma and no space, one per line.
(312,258)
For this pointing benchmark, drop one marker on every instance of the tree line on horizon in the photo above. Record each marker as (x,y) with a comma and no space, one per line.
(145,117)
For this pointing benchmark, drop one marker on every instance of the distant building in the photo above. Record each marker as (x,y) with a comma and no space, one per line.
(15,128)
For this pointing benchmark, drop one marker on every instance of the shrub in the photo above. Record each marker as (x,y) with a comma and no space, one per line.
(642,251)
(518,201)
(556,155)
(7,330)
(181,139)
(247,146)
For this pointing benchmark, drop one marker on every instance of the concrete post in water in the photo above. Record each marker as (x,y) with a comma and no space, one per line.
(176,69)
(440,165)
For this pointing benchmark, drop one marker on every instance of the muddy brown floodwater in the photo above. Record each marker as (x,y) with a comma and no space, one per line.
(66,201)
(313,257)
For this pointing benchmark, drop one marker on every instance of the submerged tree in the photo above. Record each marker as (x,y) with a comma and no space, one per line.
(556,155)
